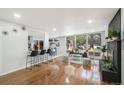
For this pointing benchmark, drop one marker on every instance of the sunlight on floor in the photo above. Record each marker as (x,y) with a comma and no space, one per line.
(69,70)
(67,80)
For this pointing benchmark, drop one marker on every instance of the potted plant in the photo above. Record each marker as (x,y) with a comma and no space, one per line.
(103,49)
(106,64)
(115,35)
(110,33)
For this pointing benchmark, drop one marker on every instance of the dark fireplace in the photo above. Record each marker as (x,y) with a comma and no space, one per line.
(111,53)
(114,54)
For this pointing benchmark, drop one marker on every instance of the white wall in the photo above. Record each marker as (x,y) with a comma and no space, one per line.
(0,51)
(14,47)
(122,35)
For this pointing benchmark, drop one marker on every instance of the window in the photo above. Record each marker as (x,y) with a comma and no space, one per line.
(81,41)
(94,39)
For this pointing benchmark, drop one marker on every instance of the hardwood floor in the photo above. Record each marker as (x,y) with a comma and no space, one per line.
(55,73)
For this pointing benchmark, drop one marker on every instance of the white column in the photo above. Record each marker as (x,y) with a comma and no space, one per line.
(103,41)
(46,40)
(62,47)
(0,51)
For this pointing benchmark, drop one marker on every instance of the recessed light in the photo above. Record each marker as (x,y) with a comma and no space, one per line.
(54,29)
(17,15)
(90,21)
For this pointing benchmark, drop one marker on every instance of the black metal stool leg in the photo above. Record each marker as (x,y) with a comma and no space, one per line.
(26,61)
(31,62)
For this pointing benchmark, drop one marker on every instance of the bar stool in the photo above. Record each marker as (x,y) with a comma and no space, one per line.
(45,56)
(49,53)
(33,59)
(42,53)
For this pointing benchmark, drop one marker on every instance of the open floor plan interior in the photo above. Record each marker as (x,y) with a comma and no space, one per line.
(61,46)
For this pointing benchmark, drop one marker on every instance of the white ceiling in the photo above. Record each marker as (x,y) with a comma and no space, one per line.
(61,18)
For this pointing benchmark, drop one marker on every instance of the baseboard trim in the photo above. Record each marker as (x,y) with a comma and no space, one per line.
(5,73)
(20,68)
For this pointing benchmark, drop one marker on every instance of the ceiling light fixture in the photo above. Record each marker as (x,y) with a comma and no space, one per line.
(54,29)
(17,15)
(90,21)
